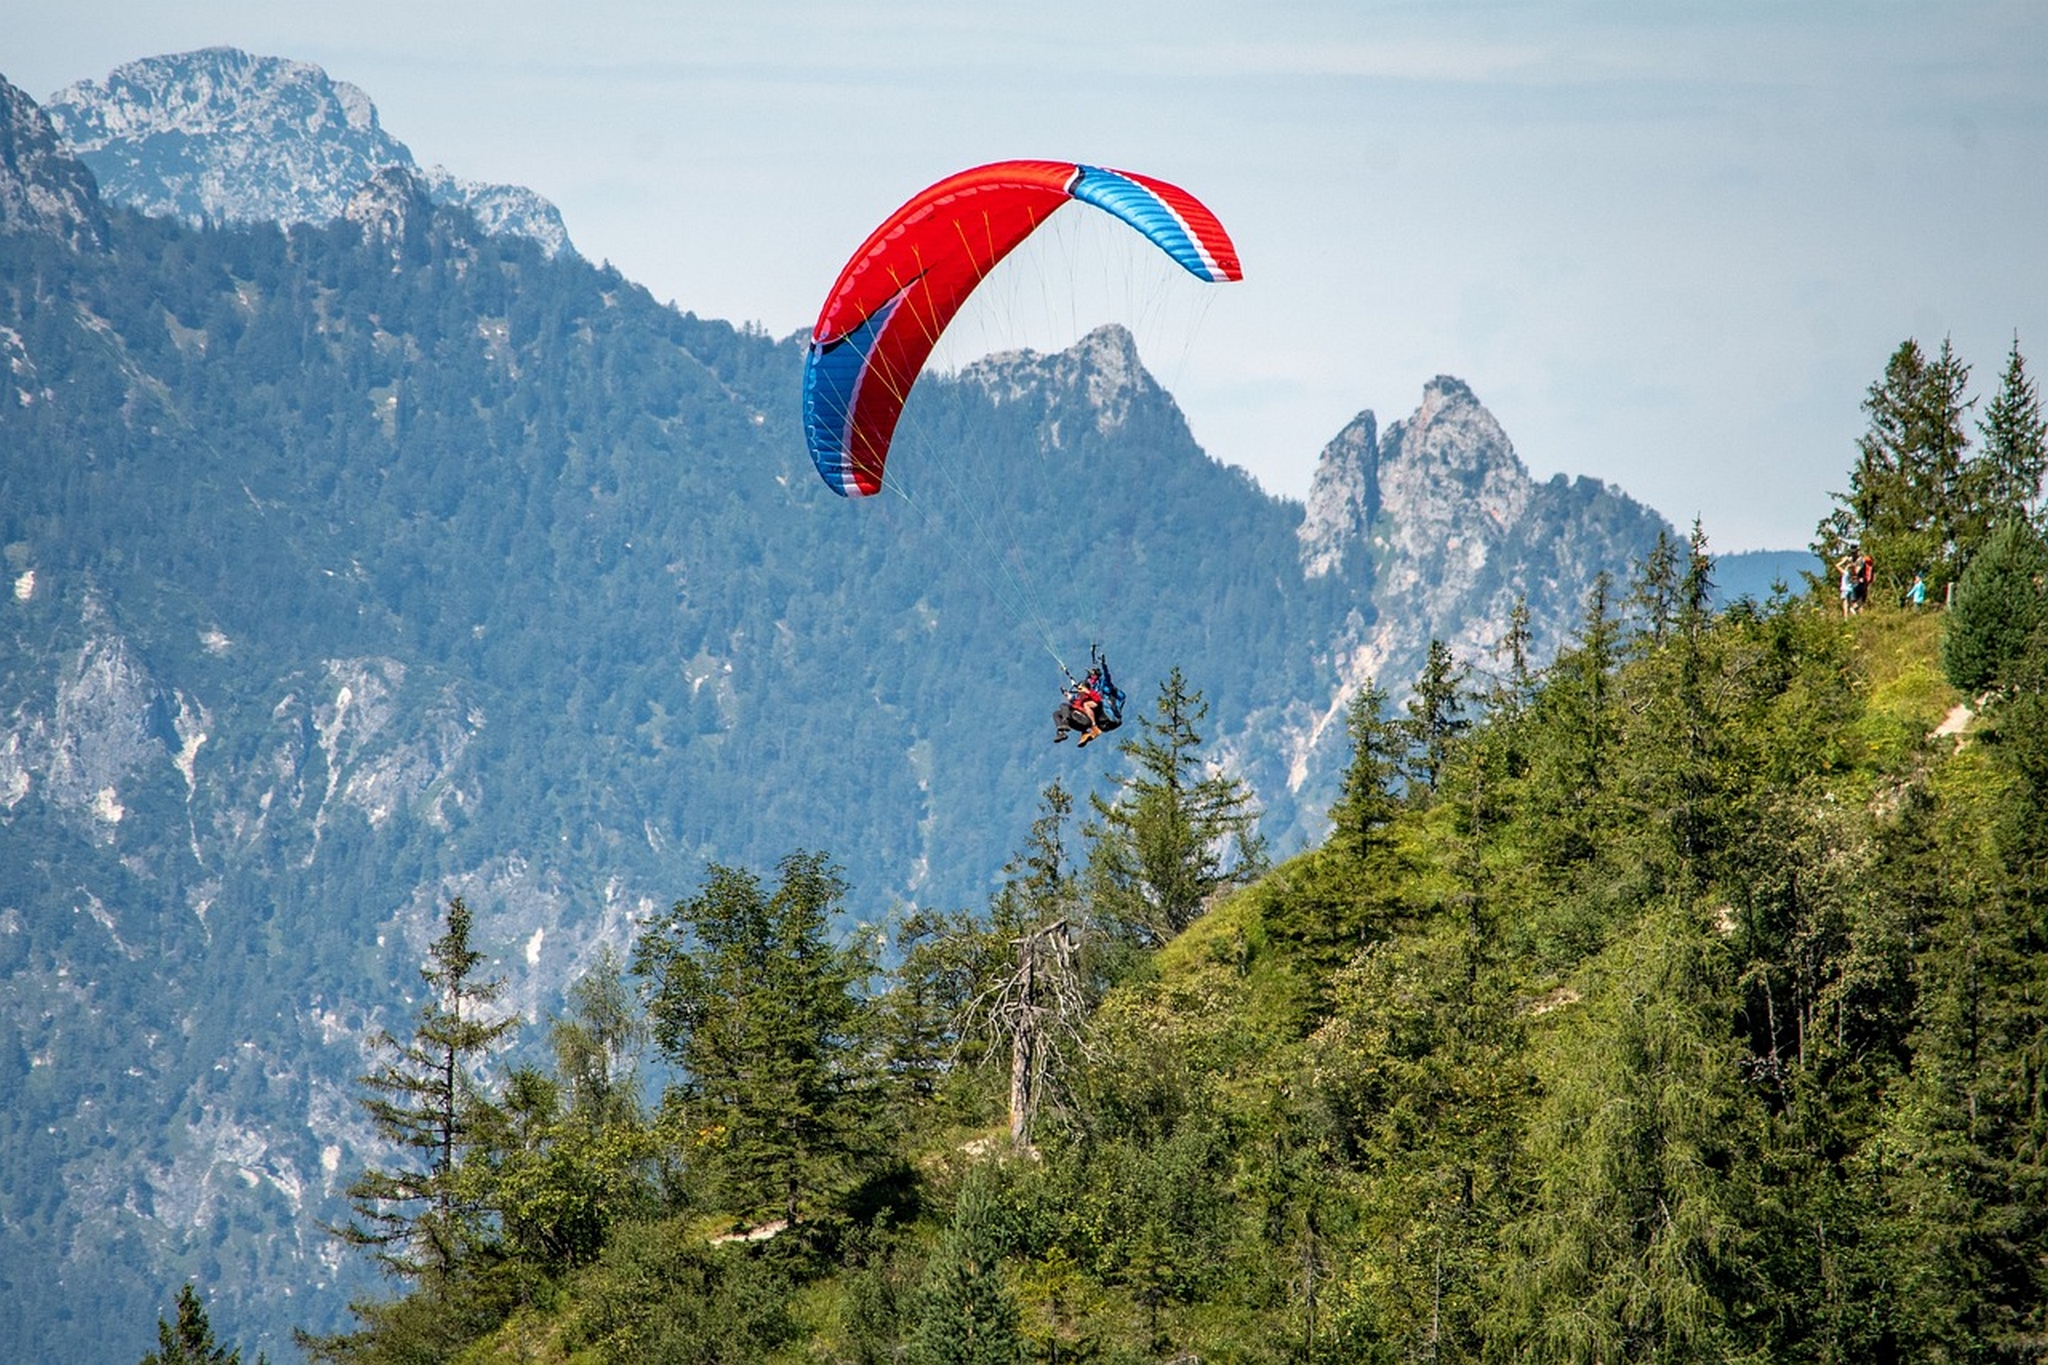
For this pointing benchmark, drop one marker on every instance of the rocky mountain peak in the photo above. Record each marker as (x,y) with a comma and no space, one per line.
(223,135)
(212,92)
(1102,370)
(1439,521)
(1450,471)
(42,188)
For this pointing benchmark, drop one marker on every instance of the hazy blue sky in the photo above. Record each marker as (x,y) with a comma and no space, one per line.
(1669,245)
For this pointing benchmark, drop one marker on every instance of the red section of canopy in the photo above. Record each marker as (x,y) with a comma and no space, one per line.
(940,245)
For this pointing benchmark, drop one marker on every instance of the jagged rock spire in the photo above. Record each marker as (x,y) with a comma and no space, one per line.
(1343,499)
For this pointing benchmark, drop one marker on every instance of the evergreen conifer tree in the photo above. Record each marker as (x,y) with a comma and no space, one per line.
(966,1314)
(1696,585)
(2000,603)
(2015,452)
(1177,833)
(190,1341)
(1379,748)
(425,1101)
(1877,506)
(921,1022)
(1654,594)
(1514,691)
(1572,733)
(1436,718)
(1909,504)
(1625,1249)
(1944,483)
(1329,903)
(759,1011)
(1960,1164)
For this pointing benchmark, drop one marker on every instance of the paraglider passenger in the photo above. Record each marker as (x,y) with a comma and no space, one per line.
(1088,700)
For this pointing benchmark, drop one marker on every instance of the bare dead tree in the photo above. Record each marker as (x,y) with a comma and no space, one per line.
(1036,1007)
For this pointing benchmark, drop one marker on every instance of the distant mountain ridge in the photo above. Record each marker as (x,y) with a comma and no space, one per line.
(385,559)
(220,135)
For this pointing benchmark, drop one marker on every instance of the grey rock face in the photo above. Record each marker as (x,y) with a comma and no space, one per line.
(43,189)
(1343,500)
(221,135)
(390,204)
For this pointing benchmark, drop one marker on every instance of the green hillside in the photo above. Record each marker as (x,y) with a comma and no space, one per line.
(1695,1013)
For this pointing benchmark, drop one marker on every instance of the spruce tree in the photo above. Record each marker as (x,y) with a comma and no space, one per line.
(1960,1164)
(1944,484)
(426,1103)
(2015,452)
(1879,504)
(1910,504)
(1178,832)
(1654,594)
(1436,718)
(1514,691)
(2000,603)
(190,1341)
(966,1314)
(920,1023)
(1628,1246)
(1379,753)
(758,1010)
(1696,585)
(1330,903)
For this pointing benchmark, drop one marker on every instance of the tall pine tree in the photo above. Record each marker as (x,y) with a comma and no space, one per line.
(2015,452)
(190,1341)
(1180,830)
(1436,718)
(426,1102)
(759,1011)
(965,1313)
(1999,605)
(1910,503)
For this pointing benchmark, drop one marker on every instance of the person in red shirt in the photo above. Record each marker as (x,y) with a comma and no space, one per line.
(1088,700)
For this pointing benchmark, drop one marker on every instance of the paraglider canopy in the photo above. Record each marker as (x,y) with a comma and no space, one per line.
(907,281)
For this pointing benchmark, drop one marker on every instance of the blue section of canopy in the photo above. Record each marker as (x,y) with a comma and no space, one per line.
(1146,212)
(832,377)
